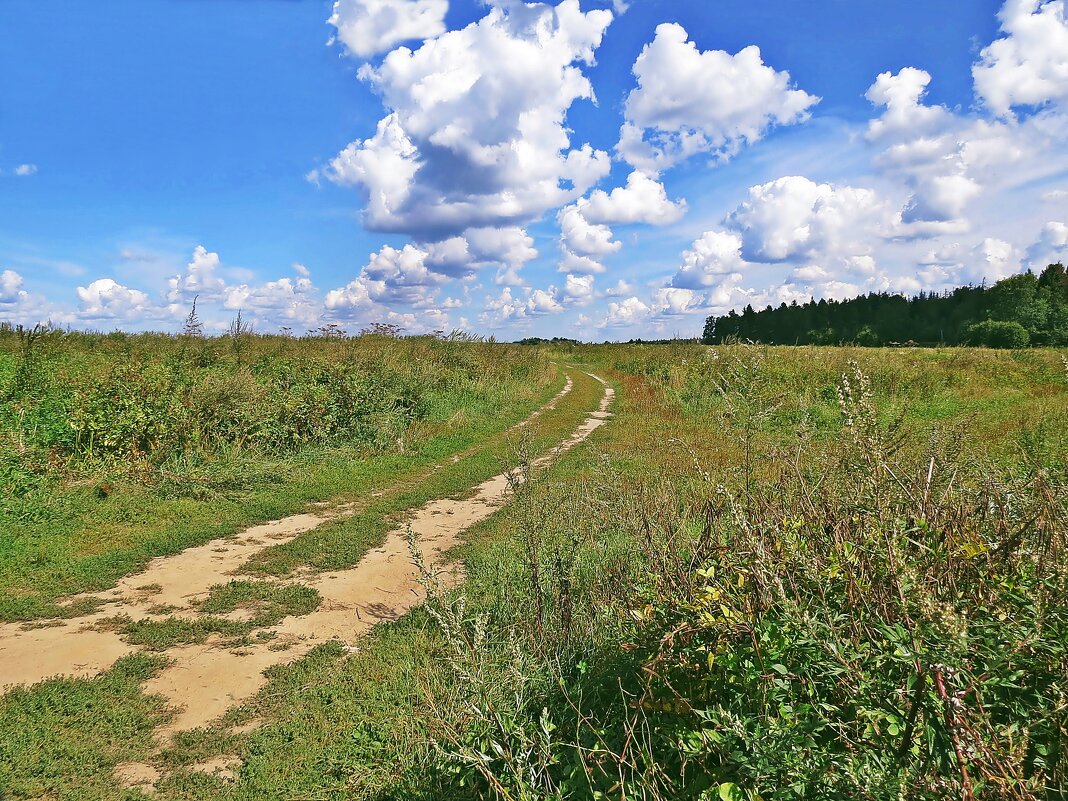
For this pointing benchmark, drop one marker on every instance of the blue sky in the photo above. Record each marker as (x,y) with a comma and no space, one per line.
(277,157)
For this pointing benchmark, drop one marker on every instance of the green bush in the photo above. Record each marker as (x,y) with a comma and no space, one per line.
(85,403)
(997,334)
(868,338)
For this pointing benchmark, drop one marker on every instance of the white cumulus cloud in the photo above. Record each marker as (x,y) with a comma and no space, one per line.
(107,299)
(713,255)
(199,278)
(642,200)
(476,133)
(1051,247)
(625,313)
(391,277)
(689,102)
(1029,65)
(794,218)
(369,27)
(11,287)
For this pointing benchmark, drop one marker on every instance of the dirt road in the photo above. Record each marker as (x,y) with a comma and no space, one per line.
(203,681)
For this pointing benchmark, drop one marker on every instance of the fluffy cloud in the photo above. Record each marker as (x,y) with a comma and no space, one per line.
(507,308)
(993,259)
(925,146)
(200,278)
(948,161)
(796,219)
(581,237)
(585,237)
(18,305)
(625,314)
(578,290)
(713,255)
(476,135)
(369,27)
(11,287)
(385,165)
(642,200)
(24,170)
(816,227)
(512,307)
(284,299)
(1052,246)
(506,246)
(107,299)
(574,263)
(901,94)
(391,277)
(509,248)
(1029,65)
(671,302)
(689,102)
(955,264)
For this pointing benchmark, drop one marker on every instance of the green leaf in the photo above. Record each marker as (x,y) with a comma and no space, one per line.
(729,791)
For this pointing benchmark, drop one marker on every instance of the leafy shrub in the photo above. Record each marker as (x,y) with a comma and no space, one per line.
(868,338)
(997,334)
(85,403)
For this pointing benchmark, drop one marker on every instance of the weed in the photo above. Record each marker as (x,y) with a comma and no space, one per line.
(264,605)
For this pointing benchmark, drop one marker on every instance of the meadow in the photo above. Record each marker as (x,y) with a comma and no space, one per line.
(777,573)
(118,448)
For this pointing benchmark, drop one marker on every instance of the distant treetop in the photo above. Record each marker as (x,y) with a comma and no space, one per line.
(1018,312)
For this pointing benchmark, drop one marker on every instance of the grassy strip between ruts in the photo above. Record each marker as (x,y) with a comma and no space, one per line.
(134,526)
(265,604)
(54,743)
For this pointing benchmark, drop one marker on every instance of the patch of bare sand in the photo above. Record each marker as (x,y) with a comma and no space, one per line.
(82,647)
(169,586)
(137,776)
(222,767)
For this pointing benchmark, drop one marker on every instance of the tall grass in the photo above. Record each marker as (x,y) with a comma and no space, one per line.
(860,606)
(74,406)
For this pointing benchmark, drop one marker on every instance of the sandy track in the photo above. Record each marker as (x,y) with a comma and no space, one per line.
(203,681)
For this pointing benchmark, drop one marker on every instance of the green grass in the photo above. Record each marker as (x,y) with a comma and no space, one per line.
(63,738)
(615,529)
(336,545)
(267,603)
(342,543)
(360,726)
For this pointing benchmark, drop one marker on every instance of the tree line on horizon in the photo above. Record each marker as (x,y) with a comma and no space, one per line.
(1021,311)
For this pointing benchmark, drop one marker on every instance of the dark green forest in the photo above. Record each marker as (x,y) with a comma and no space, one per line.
(1018,312)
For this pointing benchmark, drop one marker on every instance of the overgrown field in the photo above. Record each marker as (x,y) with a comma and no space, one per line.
(783,573)
(117,448)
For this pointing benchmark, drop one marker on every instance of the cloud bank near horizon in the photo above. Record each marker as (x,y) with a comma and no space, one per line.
(474,158)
